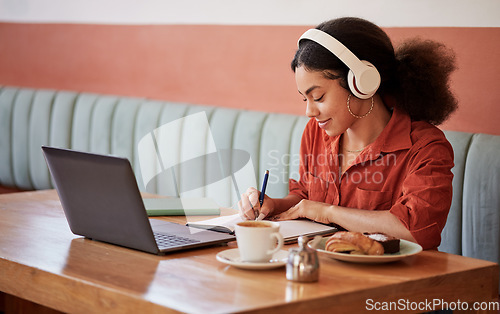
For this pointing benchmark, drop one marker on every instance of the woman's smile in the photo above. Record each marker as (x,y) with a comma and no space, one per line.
(323,124)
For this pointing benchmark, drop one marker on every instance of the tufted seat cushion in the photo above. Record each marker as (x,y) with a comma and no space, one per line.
(115,125)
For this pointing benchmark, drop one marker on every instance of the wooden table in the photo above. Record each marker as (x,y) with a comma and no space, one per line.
(43,262)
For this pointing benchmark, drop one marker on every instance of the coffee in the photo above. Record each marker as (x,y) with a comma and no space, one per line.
(258,240)
(255,224)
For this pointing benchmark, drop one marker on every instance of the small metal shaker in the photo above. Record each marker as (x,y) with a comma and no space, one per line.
(303,263)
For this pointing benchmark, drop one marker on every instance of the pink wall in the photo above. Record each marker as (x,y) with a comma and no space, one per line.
(230,66)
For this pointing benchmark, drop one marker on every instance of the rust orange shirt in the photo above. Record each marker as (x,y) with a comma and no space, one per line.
(407,170)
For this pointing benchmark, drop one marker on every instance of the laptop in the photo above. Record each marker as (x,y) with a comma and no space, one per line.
(101,201)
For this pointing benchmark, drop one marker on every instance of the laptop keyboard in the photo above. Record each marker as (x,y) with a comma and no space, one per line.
(165,240)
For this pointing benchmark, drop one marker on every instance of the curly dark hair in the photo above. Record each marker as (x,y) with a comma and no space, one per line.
(416,74)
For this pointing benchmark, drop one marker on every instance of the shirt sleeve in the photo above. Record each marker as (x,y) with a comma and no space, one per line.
(300,187)
(427,192)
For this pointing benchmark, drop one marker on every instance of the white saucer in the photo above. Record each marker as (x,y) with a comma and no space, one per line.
(232,257)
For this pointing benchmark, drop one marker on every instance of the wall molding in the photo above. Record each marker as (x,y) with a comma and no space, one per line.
(385,13)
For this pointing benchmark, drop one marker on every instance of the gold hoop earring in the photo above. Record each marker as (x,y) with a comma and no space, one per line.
(355,115)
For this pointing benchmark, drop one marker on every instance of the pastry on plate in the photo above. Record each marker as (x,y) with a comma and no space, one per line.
(353,243)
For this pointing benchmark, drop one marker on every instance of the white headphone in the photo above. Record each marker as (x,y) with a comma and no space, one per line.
(363,78)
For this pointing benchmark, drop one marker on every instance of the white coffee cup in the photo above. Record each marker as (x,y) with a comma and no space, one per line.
(258,240)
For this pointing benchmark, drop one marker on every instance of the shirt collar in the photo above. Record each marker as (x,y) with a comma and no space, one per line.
(396,134)
(394,137)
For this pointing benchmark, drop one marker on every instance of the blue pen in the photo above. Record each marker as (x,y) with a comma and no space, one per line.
(263,191)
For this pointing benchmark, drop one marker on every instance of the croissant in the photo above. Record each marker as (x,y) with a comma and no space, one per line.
(353,243)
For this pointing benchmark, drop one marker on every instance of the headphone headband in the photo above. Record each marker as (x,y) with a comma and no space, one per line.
(334,46)
(363,77)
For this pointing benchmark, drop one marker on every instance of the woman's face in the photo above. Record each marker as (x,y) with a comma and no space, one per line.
(325,101)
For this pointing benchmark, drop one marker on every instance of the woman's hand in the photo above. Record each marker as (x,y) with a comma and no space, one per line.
(250,207)
(352,219)
(317,211)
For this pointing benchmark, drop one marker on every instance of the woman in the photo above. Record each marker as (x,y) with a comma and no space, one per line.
(372,159)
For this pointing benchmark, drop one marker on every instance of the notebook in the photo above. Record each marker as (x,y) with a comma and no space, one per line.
(101,201)
(290,229)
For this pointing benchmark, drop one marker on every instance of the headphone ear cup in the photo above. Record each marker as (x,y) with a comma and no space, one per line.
(351,81)
(365,84)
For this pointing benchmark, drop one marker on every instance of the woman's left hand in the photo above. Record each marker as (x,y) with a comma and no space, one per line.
(317,211)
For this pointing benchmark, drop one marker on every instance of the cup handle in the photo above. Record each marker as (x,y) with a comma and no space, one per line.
(281,241)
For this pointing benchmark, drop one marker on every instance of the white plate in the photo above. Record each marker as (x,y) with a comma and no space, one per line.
(407,248)
(232,257)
